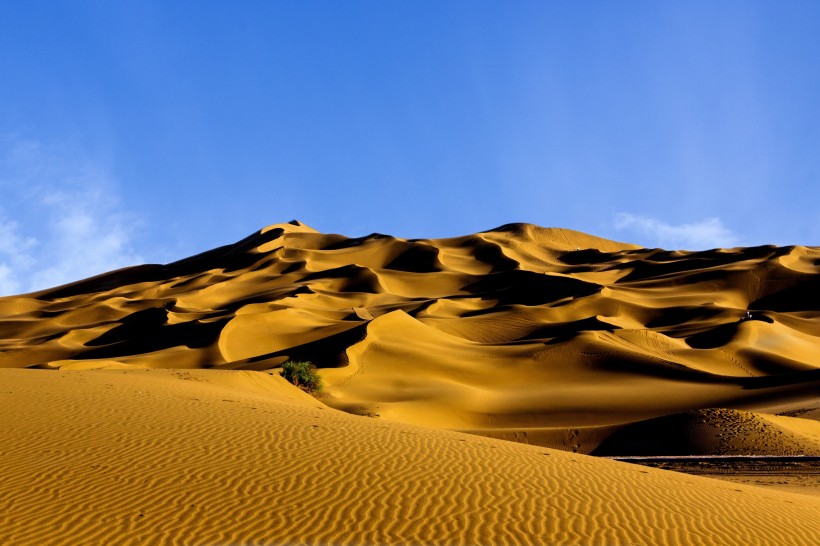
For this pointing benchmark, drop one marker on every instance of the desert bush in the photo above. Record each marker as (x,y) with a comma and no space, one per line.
(303,375)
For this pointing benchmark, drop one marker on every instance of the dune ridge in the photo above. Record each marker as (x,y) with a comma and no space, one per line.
(715,432)
(519,329)
(145,406)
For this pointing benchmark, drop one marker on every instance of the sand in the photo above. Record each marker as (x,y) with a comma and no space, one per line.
(221,457)
(797,474)
(144,405)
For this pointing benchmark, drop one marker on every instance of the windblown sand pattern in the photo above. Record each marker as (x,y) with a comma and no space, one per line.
(219,457)
(521,332)
(543,336)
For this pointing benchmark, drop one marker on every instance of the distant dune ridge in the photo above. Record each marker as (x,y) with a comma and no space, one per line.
(519,332)
(543,336)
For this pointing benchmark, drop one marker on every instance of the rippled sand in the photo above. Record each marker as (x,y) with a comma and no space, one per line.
(152,410)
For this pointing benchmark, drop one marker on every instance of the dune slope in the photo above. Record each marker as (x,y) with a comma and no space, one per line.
(715,432)
(222,457)
(543,335)
(144,406)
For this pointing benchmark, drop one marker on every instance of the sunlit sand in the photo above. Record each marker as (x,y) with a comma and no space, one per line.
(472,386)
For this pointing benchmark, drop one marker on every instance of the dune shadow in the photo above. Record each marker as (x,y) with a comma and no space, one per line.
(520,287)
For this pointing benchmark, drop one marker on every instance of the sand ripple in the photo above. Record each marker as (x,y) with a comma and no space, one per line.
(220,457)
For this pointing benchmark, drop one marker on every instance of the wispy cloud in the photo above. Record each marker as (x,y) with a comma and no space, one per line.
(60,218)
(16,255)
(705,234)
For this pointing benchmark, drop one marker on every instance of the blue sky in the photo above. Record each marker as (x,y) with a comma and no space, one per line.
(148,131)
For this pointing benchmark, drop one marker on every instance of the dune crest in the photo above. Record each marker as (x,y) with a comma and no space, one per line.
(145,405)
(519,329)
(715,432)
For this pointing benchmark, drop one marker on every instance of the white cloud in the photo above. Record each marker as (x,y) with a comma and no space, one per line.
(706,234)
(84,240)
(8,281)
(13,246)
(15,255)
(67,221)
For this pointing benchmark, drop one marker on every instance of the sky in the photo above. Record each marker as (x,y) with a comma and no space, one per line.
(148,131)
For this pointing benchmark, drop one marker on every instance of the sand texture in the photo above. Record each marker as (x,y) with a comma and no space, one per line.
(520,332)
(144,406)
(220,457)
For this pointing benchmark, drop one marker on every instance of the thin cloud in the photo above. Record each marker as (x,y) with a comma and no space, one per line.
(706,234)
(16,254)
(67,221)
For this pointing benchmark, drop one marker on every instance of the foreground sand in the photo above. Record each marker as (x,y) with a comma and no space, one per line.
(226,457)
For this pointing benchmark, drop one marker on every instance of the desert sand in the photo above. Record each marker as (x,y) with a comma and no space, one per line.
(221,457)
(144,406)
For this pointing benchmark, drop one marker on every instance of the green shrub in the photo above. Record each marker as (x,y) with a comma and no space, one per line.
(303,375)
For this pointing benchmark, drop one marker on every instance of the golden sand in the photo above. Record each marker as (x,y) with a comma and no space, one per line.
(221,457)
(547,337)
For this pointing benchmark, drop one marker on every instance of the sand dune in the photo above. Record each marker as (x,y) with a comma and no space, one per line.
(520,328)
(221,457)
(715,432)
(541,336)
